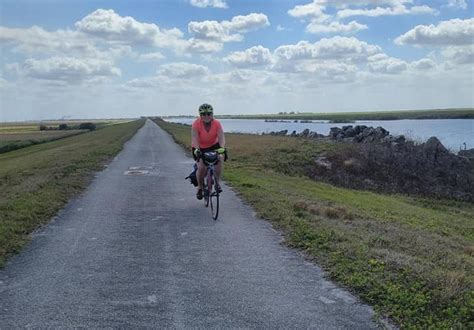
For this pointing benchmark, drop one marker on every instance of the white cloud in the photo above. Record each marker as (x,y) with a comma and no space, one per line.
(313,9)
(151,57)
(227,31)
(340,60)
(302,50)
(108,25)
(339,57)
(457,4)
(212,30)
(183,70)
(459,55)
(255,56)
(385,64)
(248,22)
(209,36)
(209,3)
(185,79)
(446,33)
(68,69)
(343,47)
(423,64)
(335,27)
(203,46)
(346,3)
(327,71)
(38,40)
(387,11)
(322,22)
(240,76)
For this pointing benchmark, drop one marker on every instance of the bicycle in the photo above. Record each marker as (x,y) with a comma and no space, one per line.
(211,189)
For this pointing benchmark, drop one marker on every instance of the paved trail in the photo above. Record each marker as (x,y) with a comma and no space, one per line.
(141,251)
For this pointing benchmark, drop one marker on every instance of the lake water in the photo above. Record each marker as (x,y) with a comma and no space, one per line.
(453,133)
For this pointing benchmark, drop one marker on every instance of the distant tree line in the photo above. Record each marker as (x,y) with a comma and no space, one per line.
(65,127)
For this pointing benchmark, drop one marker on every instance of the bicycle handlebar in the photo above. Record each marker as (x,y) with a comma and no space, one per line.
(220,151)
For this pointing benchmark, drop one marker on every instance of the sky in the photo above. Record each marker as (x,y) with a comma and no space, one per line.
(77,59)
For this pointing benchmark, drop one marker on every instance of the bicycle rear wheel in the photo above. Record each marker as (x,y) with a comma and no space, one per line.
(214,200)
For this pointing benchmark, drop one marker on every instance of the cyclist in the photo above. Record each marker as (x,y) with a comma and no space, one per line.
(207,134)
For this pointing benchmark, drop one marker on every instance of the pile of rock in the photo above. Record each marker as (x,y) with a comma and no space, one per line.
(307,134)
(282,133)
(427,169)
(378,135)
(359,134)
(379,161)
(468,153)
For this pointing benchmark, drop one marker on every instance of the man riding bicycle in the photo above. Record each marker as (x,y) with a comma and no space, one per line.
(207,135)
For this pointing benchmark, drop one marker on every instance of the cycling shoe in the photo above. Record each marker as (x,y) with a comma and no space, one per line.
(199,194)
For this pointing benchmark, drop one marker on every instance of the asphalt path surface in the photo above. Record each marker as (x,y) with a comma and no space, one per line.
(137,249)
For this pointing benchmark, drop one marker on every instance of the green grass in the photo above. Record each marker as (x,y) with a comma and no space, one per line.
(37,181)
(376,115)
(19,135)
(411,258)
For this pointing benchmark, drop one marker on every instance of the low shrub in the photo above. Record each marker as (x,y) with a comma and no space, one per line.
(89,126)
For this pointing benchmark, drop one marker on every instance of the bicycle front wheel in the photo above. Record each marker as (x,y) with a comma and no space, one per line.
(214,200)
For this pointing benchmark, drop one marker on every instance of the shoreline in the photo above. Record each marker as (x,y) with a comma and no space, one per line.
(451,113)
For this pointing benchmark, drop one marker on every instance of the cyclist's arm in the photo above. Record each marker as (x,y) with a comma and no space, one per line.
(194,138)
(221,137)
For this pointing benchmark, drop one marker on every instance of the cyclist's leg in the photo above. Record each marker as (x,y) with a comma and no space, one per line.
(219,168)
(200,174)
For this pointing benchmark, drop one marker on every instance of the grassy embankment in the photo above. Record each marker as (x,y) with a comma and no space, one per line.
(37,181)
(412,259)
(345,117)
(18,135)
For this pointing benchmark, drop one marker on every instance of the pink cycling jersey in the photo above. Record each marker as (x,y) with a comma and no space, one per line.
(206,138)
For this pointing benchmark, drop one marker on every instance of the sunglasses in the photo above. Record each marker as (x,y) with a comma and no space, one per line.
(206,113)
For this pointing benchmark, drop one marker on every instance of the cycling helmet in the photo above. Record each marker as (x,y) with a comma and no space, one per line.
(205,108)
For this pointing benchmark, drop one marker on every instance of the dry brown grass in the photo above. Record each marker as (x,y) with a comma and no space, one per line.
(318,208)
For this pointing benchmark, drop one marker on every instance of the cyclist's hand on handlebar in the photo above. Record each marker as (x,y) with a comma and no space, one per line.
(197,153)
(222,151)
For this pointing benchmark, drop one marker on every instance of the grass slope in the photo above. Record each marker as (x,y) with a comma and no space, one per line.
(19,135)
(37,181)
(412,259)
(16,140)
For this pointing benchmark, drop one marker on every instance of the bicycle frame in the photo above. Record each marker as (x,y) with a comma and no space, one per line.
(211,193)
